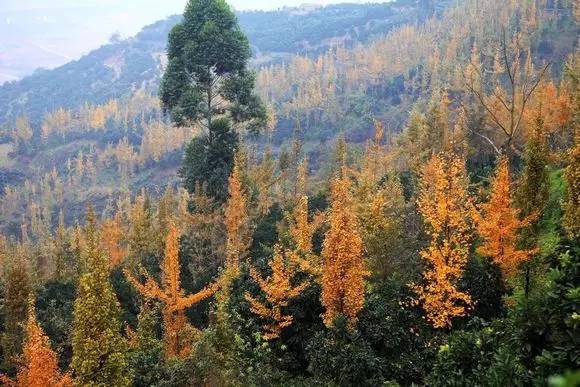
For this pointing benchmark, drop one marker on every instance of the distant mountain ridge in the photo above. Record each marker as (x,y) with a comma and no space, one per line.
(118,69)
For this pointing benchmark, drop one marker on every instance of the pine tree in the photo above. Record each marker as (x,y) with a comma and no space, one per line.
(340,155)
(145,338)
(498,224)
(146,348)
(39,363)
(204,232)
(411,141)
(140,233)
(445,206)
(427,134)
(379,205)
(98,348)
(533,194)
(533,186)
(343,287)
(170,293)
(15,309)
(62,249)
(77,245)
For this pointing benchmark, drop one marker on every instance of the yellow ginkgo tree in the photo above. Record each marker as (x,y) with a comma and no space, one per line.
(174,300)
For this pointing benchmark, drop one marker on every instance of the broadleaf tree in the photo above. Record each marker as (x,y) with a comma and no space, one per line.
(207,77)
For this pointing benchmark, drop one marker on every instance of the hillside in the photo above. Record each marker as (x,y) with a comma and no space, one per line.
(395,208)
(119,146)
(118,69)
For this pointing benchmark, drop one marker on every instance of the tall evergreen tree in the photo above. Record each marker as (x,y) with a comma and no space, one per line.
(15,307)
(98,349)
(533,189)
(572,205)
(210,162)
(207,77)
(533,194)
(62,250)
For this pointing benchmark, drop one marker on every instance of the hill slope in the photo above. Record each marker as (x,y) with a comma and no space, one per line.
(118,69)
(98,152)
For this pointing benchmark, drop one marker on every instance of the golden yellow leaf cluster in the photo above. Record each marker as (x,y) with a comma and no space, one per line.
(343,287)
(279,290)
(170,293)
(445,206)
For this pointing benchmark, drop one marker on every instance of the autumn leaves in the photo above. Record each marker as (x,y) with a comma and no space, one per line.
(498,223)
(444,204)
(343,270)
(40,364)
(361,207)
(172,296)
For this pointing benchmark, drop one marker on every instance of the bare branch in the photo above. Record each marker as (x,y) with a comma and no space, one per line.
(495,148)
(483,103)
(527,97)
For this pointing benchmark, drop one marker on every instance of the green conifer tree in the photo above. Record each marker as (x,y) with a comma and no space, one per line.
(98,349)
(15,312)
(532,195)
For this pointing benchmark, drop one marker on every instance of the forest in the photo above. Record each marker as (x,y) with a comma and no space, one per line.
(396,210)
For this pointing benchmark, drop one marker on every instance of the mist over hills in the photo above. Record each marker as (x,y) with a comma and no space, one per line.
(359,64)
(119,68)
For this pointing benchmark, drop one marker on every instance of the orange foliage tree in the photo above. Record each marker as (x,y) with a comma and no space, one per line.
(343,288)
(279,290)
(498,223)
(302,231)
(237,239)
(174,300)
(112,235)
(237,221)
(444,203)
(40,364)
(553,107)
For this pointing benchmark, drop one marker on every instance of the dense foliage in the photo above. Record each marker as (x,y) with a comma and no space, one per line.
(445,254)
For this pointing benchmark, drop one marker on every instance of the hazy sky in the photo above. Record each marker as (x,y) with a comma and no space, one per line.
(49,33)
(170,5)
(103,17)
